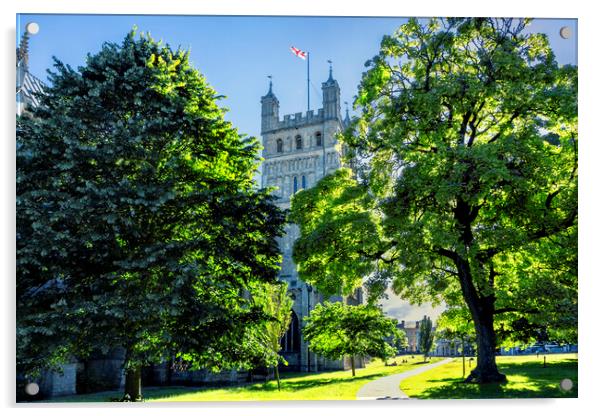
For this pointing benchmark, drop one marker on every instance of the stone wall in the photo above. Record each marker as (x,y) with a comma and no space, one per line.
(101,372)
(205,377)
(61,383)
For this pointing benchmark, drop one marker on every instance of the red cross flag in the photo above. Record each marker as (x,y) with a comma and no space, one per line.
(299,52)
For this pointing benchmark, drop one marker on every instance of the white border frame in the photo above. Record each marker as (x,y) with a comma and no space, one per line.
(589,199)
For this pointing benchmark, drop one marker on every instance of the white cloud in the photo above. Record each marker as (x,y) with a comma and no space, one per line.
(395,307)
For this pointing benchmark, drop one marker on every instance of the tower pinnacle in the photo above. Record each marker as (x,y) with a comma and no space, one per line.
(23,51)
(269,109)
(270,92)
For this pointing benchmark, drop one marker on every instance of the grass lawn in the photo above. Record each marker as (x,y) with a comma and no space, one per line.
(527,378)
(334,385)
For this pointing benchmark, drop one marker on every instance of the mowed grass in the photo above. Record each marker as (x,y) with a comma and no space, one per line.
(527,378)
(332,385)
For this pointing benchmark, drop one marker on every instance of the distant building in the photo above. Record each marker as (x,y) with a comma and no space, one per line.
(448,348)
(442,347)
(413,336)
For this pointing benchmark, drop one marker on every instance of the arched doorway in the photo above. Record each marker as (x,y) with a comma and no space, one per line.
(291,341)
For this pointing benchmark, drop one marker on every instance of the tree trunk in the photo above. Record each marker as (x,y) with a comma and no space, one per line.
(482,311)
(486,370)
(169,372)
(277,374)
(352,366)
(133,384)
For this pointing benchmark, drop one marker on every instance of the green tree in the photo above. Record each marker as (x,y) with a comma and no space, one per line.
(335,330)
(455,324)
(426,336)
(138,222)
(465,161)
(277,304)
(340,228)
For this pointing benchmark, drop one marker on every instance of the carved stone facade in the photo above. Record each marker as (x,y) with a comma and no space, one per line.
(299,150)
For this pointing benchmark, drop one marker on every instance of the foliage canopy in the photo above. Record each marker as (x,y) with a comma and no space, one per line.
(465,155)
(138,224)
(277,305)
(335,330)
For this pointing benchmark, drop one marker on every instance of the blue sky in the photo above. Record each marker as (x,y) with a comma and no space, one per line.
(237,53)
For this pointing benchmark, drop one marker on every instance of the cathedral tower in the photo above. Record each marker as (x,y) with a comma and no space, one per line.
(299,150)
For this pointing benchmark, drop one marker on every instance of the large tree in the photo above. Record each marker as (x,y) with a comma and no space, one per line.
(138,222)
(465,157)
(336,330)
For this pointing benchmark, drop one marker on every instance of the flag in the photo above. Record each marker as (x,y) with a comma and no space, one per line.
(299,52)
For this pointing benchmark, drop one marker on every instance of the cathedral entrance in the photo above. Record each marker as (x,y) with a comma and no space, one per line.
(290,345)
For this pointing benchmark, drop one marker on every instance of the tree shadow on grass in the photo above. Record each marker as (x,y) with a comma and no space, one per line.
(286,384)
(567,366)
(525,380)
(297,386)
(302,384)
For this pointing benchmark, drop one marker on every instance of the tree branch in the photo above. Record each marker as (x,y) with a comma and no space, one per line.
(499,133)
(463,127)
(510,309)
(452,255)
(378,255)
(486,254)
(473,124)
(551,196)
(546,232)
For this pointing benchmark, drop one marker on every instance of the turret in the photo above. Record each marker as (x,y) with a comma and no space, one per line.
(28,87)
(269,110)
(346,120)
(331,97)
(22,59)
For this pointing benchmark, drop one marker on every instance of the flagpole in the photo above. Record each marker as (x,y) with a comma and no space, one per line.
(307,81)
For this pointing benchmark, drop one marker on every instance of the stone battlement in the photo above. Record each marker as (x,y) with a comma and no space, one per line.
(297,120)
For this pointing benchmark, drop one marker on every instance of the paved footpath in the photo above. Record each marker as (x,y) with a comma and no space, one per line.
(387,388)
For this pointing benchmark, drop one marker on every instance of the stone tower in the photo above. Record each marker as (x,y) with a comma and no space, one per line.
(299,150)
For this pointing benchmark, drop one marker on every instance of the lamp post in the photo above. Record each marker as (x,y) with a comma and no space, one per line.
(463,357)
(309,290)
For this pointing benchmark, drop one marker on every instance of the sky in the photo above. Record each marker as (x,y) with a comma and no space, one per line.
(237,53)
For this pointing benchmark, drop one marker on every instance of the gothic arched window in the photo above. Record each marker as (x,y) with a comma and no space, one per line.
(279,145)
(291,341)
(295,184)
(299,142)
(318,139)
